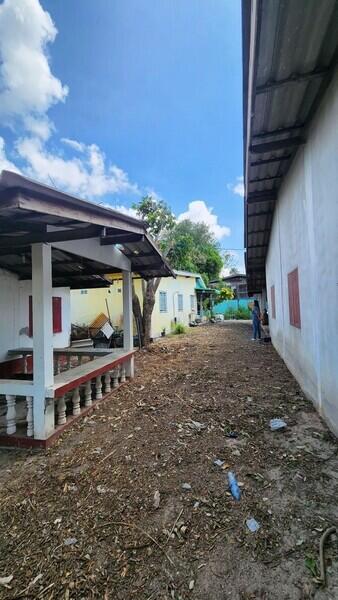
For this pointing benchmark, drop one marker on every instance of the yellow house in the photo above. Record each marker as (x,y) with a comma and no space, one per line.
(175,302)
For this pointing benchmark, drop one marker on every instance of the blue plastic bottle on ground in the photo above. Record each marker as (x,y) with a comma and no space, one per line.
(233,485)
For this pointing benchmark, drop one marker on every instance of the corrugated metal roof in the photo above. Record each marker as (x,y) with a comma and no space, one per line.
(286,71)
(31,212)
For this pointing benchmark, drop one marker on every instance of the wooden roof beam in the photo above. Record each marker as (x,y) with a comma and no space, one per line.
(293,78)
(276,132)
(17,226)
(124,238)
(264,196)
(270,178)
(150,267)
(276,145)
(267,161)
(50,237)
(259,231)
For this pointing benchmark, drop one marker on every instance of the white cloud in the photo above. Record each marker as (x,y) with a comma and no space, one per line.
(28,89)
(199,212)
(78,146)
(6,164)
(131,212)
(88,176)
(237,187)
(155,196)
(27,86)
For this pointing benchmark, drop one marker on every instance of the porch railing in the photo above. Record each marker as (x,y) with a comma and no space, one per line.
(75,390)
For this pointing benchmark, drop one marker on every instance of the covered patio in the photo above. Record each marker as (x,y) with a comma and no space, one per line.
(51,242)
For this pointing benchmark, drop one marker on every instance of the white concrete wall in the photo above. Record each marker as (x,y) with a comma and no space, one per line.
(14,311)
(305,235)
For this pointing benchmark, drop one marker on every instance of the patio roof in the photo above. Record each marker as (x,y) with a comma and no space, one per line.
(289,57)
(31,212)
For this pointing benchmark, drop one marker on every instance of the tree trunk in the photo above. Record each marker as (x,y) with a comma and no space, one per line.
(138,316)
(149,289)
(148,306)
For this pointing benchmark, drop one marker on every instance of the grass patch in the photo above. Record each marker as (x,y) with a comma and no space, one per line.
(179,329)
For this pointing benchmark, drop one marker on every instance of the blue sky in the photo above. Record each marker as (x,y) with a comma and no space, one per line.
(111,99)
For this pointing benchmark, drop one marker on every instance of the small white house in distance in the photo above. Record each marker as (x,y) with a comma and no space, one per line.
(291,185)
(178,300)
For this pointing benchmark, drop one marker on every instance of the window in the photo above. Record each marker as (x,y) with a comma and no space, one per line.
(163,302)
(273,302)
(84,291)
(192,302)
(57,315)
(294,305)
(180,301)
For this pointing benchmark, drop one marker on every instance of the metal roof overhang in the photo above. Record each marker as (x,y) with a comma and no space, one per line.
(290,53)
(31,212)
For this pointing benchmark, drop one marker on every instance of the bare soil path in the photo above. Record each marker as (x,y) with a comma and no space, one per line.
(79,521)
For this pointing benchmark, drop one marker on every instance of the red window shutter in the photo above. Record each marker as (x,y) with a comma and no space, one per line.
(57,315)
(30,317)
(273,302)
(294,303)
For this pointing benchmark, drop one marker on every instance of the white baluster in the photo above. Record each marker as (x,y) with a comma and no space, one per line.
(11,414)
(76,402)
(57,362)
(61,410)
(107,386)
(88,393)
(25,369)
(29,416)
(98,388)
(116,378)
(69,358)
(123,374)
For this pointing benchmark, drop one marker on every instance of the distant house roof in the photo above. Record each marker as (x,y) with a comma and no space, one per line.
(178,272)
(200,284)
(289,58)
(201,287)
(31,212)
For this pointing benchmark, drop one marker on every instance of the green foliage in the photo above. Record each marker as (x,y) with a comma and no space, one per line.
(188,246)
(179,329)
(157,215)
(243,313)
(192,247)
(312,566)
(240,313)
(224,293)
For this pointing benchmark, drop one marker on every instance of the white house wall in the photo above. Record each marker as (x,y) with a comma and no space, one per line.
(14,307)
(305,235)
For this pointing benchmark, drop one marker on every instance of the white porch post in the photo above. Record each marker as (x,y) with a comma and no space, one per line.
(128,337)
(43,376)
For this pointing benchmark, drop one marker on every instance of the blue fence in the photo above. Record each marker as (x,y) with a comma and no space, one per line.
(231,306)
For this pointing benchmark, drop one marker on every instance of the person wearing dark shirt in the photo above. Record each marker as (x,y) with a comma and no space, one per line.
(256,321)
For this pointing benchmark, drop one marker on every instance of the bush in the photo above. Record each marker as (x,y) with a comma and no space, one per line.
(178,329)
(242,313)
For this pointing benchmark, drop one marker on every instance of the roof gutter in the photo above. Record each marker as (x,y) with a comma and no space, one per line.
(251,19)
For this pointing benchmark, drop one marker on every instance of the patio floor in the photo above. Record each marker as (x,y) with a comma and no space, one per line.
(79,520)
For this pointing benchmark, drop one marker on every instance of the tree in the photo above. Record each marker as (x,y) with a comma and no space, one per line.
(160,221)
(192,247)
(187,246)
(225,292)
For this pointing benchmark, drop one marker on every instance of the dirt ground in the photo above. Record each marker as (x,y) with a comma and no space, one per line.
(80,521)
